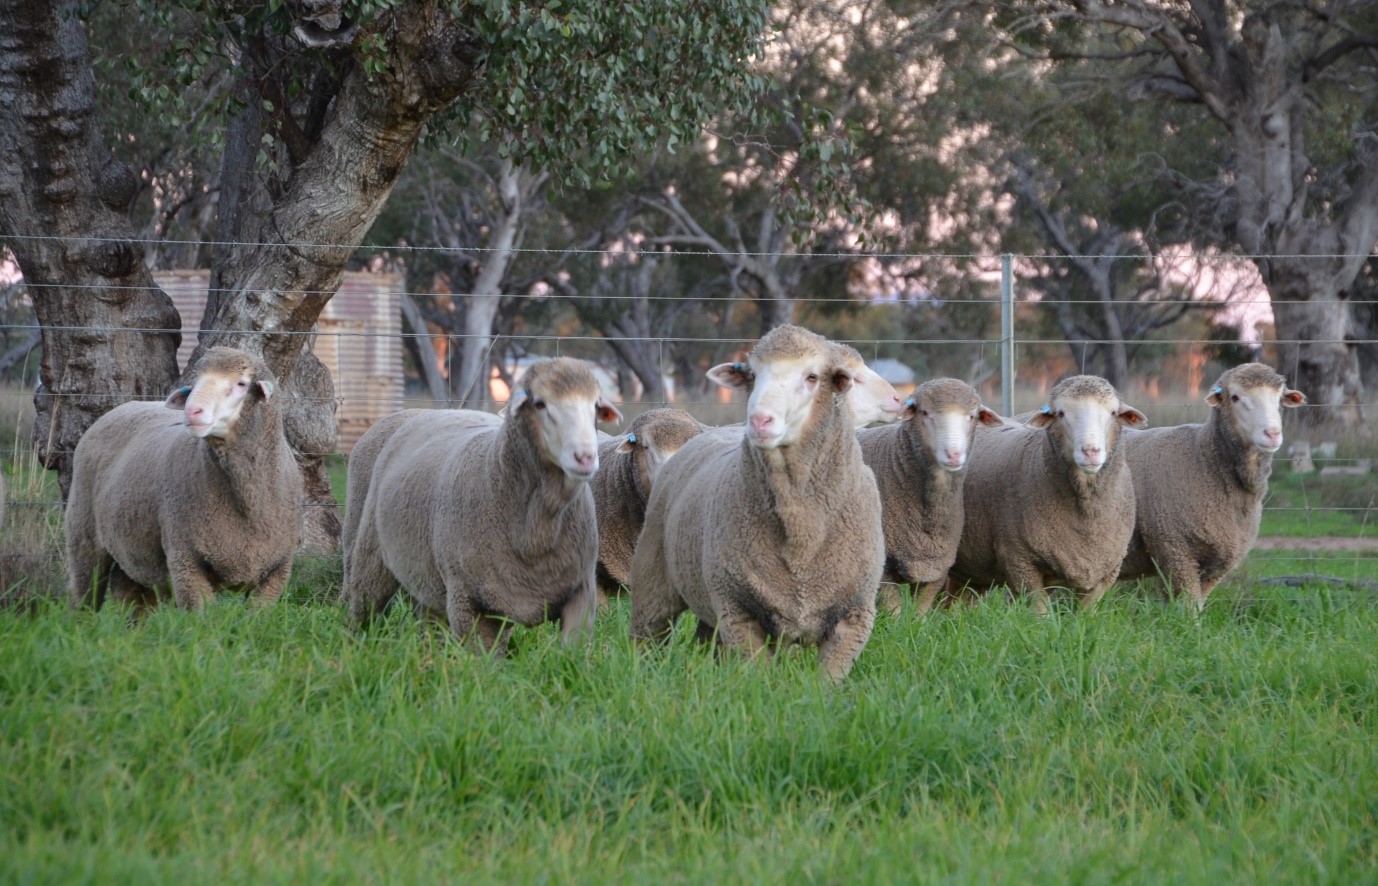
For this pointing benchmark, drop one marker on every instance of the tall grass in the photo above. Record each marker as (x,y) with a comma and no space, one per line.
(980,744)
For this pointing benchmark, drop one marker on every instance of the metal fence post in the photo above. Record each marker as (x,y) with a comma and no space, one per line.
(1006,334)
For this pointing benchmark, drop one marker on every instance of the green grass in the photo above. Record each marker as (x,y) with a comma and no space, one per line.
(1309,505)
(981,744)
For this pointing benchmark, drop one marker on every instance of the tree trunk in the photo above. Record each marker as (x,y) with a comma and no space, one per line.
(291,250)
(471,384)
(1317,355)
(64,202)
(428,362)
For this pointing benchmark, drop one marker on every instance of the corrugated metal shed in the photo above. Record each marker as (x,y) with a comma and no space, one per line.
(358,338)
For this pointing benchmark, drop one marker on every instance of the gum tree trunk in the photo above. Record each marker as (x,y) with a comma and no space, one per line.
(109,333)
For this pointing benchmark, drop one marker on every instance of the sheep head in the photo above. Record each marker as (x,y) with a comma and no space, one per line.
(789,373)
(560,402)
(872,398)
(227,382)
(1251,398)
(653,437)
(1084,414)
(944,413)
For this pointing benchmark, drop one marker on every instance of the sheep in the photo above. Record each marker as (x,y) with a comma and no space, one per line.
(920,465)
(628,468)
(1050,501)
(872,398)
(1199,488)
(210,499)
(772,534)
(486,522)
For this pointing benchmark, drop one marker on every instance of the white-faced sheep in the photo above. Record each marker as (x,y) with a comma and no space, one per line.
(920,467)
(628,467)
(484,522)
(1051,502)
(776,536)
(209,498)
(1199,488)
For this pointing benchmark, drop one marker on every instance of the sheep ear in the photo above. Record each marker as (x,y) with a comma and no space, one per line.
(732,375)
(1131,417)
(265,388)
(607,412)
(908,410)
(514,402)
(628,445)
(842,381)
(1043,417)
(988,417)
(178,398)
(1216,395)
(1292,399)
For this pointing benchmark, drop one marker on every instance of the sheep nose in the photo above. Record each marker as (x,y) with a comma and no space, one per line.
(1092,452)
(196,414)
(954,456)
(1272,435)
(586,462)
(760,424)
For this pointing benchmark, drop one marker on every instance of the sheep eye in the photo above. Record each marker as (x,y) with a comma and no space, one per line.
(813,376)
(242,384)
(1234,398)
(1060,413)
(539,404)
(923,412)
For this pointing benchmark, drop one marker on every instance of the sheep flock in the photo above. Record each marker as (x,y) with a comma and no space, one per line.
(789,528)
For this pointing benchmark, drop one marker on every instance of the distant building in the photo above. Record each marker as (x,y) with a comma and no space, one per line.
(358,338)
(901,377)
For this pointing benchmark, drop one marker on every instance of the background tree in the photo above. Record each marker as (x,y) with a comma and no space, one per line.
(1285,93)
(326,103)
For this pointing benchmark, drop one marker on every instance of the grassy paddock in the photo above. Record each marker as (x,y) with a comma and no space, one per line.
(983,743)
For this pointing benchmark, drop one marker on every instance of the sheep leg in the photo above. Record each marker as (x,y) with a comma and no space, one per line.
(88,571)
(888,598)
(270,589)
(191,586)
(841,648)
(1093,596)
(738,630)
(369,585)
(654,612)
(705,632)
(576,618)
(928,594)
(125,591)
(1029,581)
(490,635)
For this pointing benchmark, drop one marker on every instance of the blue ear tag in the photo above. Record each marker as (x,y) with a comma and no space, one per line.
(1217,390)
(737,367)
(631,438)
(1045,409)
(909,404)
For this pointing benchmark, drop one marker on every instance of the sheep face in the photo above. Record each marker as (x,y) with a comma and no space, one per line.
(562,404)
(1083,413)
(871,398)
(1252,398)
(946,413)
(228,382)
(783,392)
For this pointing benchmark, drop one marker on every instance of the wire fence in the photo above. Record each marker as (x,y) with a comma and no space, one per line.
(1011,325)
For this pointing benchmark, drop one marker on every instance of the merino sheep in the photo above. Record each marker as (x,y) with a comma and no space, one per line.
(485,522)
(622,486)
(209,499)
(872,398)
(1199,488)
(776,536)
(1051,502)
(920,465)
